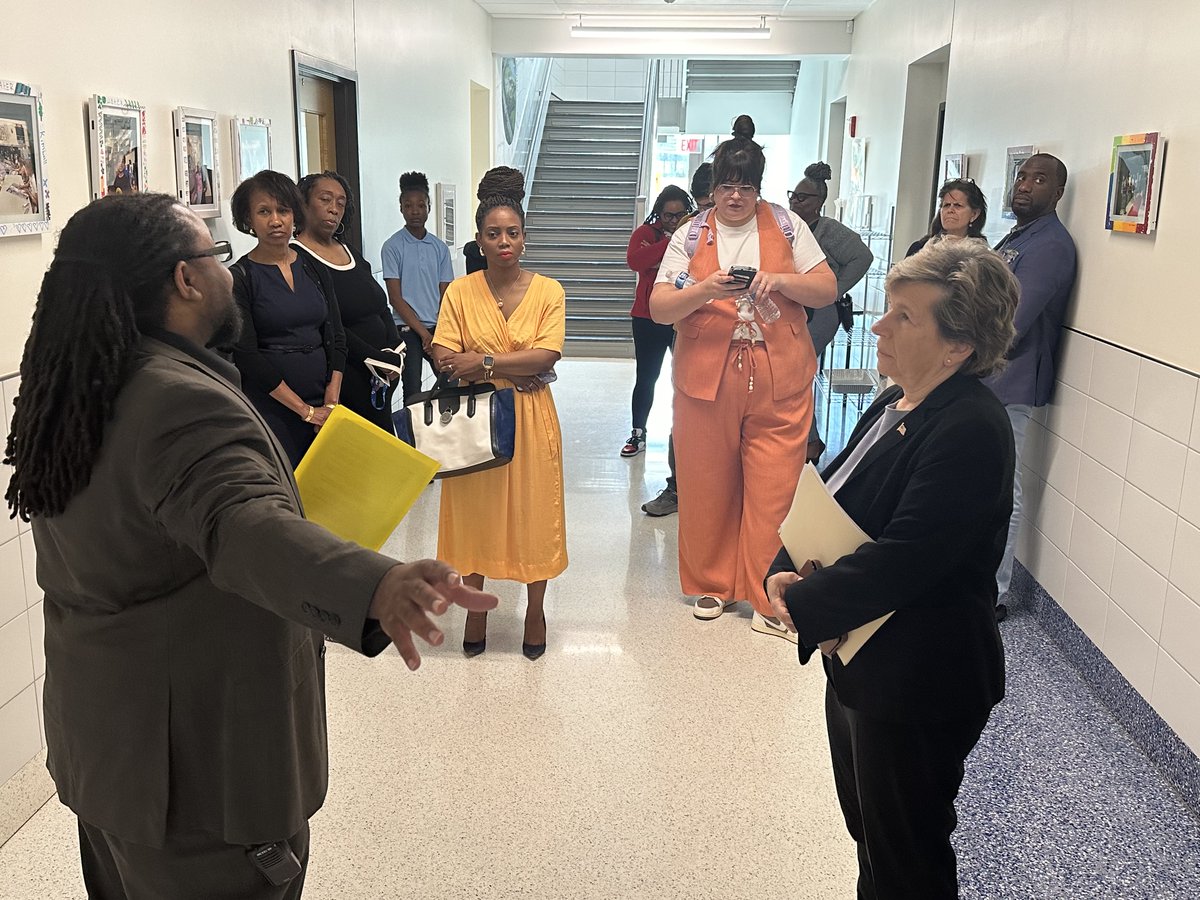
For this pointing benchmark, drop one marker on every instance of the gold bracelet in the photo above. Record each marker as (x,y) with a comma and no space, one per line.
(311,412)
(330,405)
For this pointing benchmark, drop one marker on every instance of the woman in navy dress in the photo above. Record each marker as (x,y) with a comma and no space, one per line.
(370,330)
(292,351)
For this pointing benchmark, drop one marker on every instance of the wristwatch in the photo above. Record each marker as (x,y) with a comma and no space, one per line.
(489,364)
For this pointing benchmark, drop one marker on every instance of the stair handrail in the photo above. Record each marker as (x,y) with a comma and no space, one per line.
(649,129)
(535,148)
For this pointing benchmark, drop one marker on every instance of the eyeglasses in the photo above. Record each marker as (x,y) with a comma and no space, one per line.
(799,196)
(745,190)
(222,250)
(963,180)
(674,217)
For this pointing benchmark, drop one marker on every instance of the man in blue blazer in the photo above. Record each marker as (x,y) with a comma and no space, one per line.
(1041,254)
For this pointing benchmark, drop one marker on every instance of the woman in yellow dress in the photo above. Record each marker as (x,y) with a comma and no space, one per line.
(506,325)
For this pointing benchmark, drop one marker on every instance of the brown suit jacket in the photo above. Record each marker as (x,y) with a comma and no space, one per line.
(185,603)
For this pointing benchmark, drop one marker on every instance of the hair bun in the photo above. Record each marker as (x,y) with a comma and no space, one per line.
(743,127)
(819,171)
(502,181)
(414,181)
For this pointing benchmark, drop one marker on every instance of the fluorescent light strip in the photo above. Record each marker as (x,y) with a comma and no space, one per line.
(664,33)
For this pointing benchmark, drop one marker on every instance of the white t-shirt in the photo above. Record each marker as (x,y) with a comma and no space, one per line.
(738,246)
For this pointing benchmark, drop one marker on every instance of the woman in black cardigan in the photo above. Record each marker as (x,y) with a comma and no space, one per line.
(927,474)
(292,350)
(370,330)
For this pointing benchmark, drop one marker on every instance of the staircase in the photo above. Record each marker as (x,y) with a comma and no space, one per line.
(581,214)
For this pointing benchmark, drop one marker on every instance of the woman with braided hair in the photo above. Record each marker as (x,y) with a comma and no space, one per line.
(651,341)
(506,325)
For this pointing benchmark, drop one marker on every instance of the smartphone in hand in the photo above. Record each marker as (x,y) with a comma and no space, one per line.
(743,275)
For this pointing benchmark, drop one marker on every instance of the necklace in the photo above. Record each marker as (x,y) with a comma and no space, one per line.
(496,295)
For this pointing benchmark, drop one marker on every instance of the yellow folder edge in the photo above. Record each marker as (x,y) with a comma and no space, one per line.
(816,527)
(359,481)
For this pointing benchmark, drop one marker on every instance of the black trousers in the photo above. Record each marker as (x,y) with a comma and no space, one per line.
(651,342)
(414,352)
(896,783)
(188,867)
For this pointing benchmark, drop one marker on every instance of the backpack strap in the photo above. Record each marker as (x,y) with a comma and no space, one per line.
(699,220)
(784,221)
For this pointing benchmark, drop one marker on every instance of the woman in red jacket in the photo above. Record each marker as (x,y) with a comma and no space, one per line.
(651,340)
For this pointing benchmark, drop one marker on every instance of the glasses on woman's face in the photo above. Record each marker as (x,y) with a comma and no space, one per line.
(799,196)
(672,216)
(743,190)
(222,250)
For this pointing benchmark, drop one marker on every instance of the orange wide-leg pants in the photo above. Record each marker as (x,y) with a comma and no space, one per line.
(738,459)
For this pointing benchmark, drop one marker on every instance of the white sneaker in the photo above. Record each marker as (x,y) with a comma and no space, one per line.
(770,625)
(710,607)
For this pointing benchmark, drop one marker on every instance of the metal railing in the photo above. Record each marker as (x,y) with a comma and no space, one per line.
(535,147)
(649,132)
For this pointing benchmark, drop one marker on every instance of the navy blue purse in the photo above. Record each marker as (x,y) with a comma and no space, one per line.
(466,428)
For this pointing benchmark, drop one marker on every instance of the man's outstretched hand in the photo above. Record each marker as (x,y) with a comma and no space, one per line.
(409,593)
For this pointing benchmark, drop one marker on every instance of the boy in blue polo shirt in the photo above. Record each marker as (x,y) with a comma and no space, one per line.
(416,271)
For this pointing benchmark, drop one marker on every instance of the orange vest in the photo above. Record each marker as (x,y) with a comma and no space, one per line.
(703,338)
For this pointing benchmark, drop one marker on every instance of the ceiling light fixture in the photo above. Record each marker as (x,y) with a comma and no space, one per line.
(669,32)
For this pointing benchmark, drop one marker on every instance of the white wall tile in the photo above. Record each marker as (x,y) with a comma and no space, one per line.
(1075,356)
(1114,377)
(1162,393)
(1066,413)
(631,79)
(599,91)
(1181,631)
(603,64)
(1106,436)
(1147,528)
(1185,560)
(8,527)
(33,591)
(19,725)
(37,640)
(1189,499)
(1138,590)
(1054,518)
(1051,571)
(1098,493)
(16,660)
(1194,443)
(1176,698)
(1085,603)
(1131,650)
(12,581)
(629,94)
(1156,464)
(1062,466)
(1092,549)
(9,388)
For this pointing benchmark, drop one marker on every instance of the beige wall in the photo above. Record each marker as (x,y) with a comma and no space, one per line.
(415,59)
(1113,466)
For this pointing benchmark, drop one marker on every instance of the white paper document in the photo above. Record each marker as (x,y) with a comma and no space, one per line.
(817,528)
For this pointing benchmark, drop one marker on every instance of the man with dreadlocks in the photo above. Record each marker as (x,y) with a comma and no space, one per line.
(186,595)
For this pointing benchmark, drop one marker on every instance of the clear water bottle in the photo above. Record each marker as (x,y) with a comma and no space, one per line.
(681,279)
(767,309)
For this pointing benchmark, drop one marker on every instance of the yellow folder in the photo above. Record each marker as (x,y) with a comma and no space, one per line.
(817,528)
(359,481)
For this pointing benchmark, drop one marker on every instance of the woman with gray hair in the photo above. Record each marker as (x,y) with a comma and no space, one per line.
(928,475)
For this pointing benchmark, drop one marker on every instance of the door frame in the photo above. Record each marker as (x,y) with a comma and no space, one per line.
(345,126)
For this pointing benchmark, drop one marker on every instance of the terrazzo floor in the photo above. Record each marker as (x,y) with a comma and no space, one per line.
(649,755)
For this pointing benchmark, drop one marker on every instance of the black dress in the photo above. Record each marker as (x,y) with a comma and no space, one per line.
(370,332)
(291,335)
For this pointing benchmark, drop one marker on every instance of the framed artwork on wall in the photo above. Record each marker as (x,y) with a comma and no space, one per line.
(251,146)
(24,190)
(118,139)
(858,164)
(197,175)
(1134,182)
(954,165)
(1014,158)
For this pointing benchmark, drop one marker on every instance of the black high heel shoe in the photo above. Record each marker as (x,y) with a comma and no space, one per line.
(534,651)
(474,648)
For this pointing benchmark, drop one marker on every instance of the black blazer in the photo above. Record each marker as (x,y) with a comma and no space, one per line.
(935,494)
